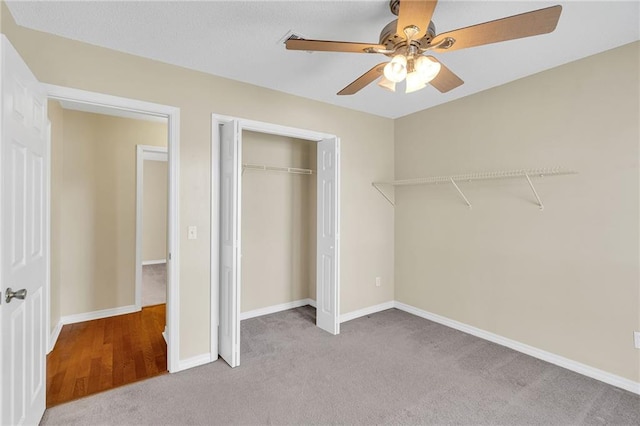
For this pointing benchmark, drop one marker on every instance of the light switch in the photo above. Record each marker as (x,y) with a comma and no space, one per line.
(192,234)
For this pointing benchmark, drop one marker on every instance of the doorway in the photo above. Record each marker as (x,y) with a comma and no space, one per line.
(106,340)
(226,283)
(128,107)
(151,225)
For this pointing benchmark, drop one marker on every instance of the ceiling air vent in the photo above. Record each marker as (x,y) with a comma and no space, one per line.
(290,35)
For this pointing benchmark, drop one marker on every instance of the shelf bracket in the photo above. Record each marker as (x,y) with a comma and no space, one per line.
(460,192)
(534,191)
(377,186)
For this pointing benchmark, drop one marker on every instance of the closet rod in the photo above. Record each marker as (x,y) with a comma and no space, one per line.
(454,179)
(264,168)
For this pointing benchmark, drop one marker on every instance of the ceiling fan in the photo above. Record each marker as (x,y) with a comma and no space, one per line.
(407,39)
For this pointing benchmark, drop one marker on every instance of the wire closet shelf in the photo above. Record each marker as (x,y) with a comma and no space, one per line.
(470,177)
(265,168)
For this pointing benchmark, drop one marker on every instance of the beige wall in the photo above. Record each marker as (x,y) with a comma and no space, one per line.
(566,279)
(366,156)
(154,209)
(93,231)
(278,222)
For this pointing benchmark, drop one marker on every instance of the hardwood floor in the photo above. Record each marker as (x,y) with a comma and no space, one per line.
(98,355)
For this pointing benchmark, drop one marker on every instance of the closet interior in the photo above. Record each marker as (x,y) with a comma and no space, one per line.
(278,225)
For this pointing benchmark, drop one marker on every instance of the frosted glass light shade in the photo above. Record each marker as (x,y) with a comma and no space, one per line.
(387,84)
(428,68)
(414,82)
(396,69)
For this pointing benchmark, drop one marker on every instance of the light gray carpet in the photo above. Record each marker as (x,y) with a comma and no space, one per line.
(388,368)
(154,284)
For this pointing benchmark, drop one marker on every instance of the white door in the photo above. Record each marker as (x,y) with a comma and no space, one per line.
(230,174)
(328,223)
(24,242)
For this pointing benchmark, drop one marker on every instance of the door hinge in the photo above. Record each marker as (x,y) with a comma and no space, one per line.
(169,256)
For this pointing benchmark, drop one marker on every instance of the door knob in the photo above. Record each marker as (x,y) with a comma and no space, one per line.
(19,294)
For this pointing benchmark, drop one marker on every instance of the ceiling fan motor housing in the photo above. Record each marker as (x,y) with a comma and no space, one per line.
(393,39)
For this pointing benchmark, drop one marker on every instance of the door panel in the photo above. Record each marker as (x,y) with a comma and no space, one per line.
(327,298)
(229,329)
(37,215)
(17,187)
(23,241)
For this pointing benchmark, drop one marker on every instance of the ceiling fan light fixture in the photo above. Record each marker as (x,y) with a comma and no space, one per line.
(387,84)
(396,69)
(415,82)
(428,68)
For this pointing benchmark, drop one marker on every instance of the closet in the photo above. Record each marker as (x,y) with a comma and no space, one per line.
(275,226)
(278,225)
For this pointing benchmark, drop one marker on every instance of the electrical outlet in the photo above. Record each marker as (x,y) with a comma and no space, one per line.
(636,339)
(378,281)
(192,233)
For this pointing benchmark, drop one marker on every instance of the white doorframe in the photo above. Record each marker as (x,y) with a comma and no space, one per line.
(274,129)
(143,153)
(173,213)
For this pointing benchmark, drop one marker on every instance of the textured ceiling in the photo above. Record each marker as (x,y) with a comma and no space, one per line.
(242,40)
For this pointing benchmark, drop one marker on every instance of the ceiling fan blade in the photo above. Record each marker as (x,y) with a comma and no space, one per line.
(415,12)
(333,46)
(446,80)
(528,24)
(364,80)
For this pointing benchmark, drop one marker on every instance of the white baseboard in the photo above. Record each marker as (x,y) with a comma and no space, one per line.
(558,360)
(153,262)
(194,361)
(88,316)
(53,338)
(366,311)
(304,302)
(276,308)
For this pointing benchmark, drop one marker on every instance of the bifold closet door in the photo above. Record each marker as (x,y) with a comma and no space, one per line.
(327,298)
(230,172)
